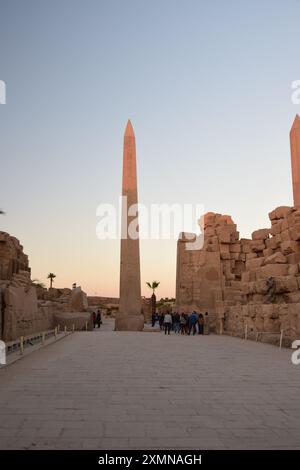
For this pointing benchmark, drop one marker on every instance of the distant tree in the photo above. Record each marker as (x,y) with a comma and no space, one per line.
(154,285)
(37,283)
(51,276)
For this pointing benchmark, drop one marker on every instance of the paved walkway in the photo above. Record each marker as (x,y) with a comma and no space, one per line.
(109,390)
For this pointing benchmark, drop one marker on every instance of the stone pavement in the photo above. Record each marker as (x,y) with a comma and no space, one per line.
(112,390)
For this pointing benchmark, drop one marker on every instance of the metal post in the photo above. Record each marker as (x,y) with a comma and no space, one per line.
(246,331)
(281,337)
(43,338)
(55,332)
(21,344)
(65,329)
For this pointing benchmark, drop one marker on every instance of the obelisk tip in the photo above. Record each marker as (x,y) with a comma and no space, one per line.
(296,123)
(129,132)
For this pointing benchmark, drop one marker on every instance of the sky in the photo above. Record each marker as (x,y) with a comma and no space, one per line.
(207,86)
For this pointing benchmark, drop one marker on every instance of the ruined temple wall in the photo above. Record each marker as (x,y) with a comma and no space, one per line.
(270,284)
(241,293)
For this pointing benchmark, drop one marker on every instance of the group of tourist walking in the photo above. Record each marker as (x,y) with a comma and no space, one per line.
(184,323)
(97,319)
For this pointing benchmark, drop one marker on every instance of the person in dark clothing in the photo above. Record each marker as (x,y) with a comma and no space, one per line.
(176,320)
(94,319)
(153,319)
(161,321)
(200,324)
(182,323)
(193,319)
(98,318)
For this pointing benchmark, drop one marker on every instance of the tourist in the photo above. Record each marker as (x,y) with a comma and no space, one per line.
(193,320)
(200,324)
(153,318)
(168,322)
(99,321)
(182,323)
(186,316)
(206,324)
(94,319)
(176,322)
(161,321)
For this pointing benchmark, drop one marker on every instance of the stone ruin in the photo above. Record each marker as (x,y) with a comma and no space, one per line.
(239,281)
(26,309)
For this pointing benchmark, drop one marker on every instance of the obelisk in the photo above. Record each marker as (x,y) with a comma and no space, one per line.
(295,159)
(129,317)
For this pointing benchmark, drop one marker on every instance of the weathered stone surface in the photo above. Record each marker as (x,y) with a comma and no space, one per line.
(276,258)
(261,234)
(257,245)
(21,314)
(273,270)
(78,301)
(280,212)
(288,247)
(254,263)
(257,276)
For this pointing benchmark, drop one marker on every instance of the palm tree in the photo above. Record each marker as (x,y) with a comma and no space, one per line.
(37,283)
(51,276)
(154,285)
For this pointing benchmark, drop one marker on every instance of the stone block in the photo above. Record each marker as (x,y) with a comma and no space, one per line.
(251,256)
(276,227)
(272,270)
(293,269)
(288,247)
(295,232)
(261,234)
(235,248)
(254,263)
(286,235)
(276,258)
(293,258)
(268,252)
(257,245)
(286,284)
(280,212)
(261,286)
(246,277)
(224,248)
(245,245)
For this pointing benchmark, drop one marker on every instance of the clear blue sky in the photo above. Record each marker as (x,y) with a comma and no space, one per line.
(207,85)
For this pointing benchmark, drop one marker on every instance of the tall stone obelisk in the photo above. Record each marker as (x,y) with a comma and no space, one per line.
(129,317)
(295,159)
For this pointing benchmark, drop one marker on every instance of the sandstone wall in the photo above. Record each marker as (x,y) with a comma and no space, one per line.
(25,309)
(259,279)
